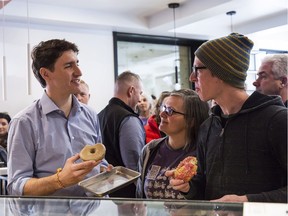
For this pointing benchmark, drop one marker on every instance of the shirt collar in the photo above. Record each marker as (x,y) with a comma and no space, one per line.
(49,106)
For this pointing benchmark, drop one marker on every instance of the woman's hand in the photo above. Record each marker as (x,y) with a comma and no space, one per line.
(177,184)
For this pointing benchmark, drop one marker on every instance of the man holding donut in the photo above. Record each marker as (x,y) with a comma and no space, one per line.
(122,130)
(45,139)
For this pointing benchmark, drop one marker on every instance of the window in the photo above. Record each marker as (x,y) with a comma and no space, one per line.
(160,61)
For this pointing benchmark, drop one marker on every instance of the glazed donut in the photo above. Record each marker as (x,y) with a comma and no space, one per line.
(93,152)
(186,169)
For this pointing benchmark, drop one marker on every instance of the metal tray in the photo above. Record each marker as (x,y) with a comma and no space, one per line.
(108,182)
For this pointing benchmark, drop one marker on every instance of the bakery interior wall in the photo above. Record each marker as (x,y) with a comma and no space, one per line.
(95,56)
(95,61)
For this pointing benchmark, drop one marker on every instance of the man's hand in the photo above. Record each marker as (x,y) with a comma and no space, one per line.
(231,198)
(72,172)
(106,169)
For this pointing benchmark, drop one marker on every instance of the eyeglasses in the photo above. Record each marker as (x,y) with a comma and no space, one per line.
(195,70)
(169,111)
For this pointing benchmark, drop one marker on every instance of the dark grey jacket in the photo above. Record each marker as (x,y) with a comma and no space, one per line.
(246,157)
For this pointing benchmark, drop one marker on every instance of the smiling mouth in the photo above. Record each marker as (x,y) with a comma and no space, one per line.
(76,81)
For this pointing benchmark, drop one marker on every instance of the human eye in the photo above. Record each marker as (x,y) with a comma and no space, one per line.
(262,75)
(170,111)
(69,65)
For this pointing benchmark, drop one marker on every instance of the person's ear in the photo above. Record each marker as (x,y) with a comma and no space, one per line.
(130,91)
(283,81)
(44,73)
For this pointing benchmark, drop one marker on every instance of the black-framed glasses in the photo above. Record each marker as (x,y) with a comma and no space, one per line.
(170,111)
(195,70)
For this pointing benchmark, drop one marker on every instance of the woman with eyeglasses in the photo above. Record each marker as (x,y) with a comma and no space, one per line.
(182,113)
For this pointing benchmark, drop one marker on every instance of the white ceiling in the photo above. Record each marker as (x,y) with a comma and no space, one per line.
(264,21)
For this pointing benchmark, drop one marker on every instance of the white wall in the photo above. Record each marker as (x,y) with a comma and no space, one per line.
(95,60)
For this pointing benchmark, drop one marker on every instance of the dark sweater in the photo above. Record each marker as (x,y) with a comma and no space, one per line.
(147,157)
(246,157)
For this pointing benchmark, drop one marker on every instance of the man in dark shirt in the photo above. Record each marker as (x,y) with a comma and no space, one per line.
(122,130)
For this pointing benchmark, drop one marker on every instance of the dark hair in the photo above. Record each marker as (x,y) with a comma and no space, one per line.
(196,112)
(46,53)
(5,116)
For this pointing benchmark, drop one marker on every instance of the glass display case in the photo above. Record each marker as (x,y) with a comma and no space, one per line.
(56,206)
(106,206)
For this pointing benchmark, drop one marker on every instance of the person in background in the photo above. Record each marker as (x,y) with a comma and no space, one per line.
(83,96)
(122,130)
(272,76)
(242,146)
(152,126)
(144,107)
(181,116)
(4,125)
(45,139)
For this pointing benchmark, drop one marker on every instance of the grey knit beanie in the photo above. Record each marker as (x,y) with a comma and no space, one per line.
(227,57)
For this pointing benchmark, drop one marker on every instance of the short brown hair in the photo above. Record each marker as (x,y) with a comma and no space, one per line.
(46,53)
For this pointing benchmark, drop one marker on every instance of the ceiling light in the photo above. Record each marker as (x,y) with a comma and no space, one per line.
(231,13)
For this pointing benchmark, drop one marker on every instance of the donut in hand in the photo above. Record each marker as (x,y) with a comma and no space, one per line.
(93,152)
(186,169)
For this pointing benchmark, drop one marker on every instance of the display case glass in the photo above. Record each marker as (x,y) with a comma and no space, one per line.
(106,206)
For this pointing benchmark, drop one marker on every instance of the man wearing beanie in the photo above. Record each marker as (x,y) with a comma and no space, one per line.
(242,146)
